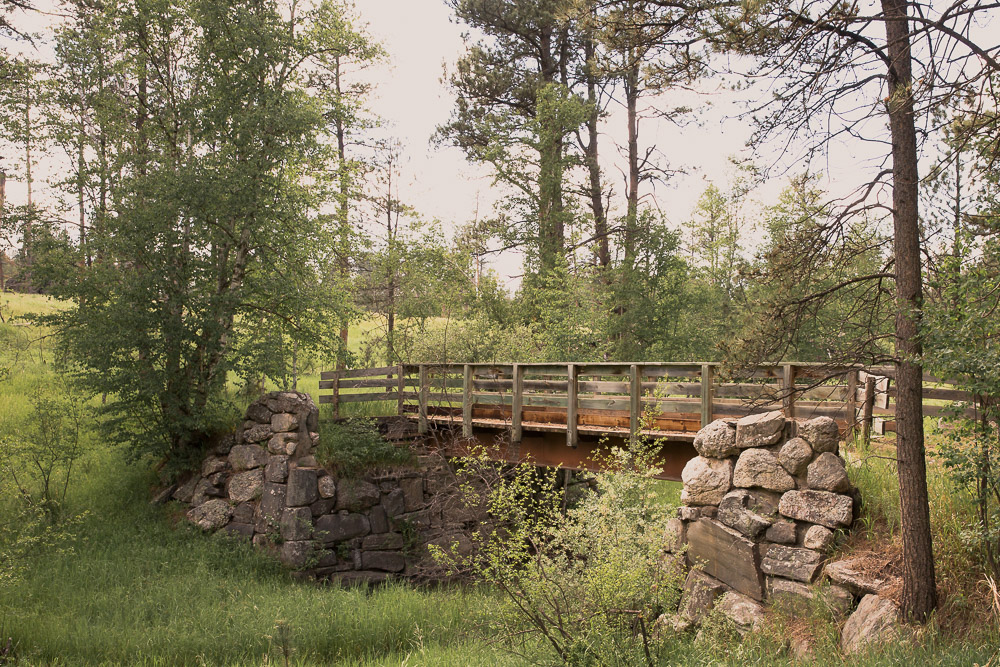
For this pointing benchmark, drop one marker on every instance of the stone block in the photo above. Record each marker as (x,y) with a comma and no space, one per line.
(295,554)
(795,455)
(736,511)
(745,613)
(246,486)
(850,574)
(706,481)
(701,590)
(296,523)
(821,433)
(818,538)
(791,562)
(378,519)
(243,513)
(339,527)
(758,468)
(382,542)
(276,469)
(259,413)
(284,422)
(322,506)
(823,507)
(394,503)
(272,504)
(356,495)
(827,473)
(781,532)
(211,515)
(302,488)
(247,457)
(283,443)
(257,433)
(327,487)
(213,465)
(685,513)
(673,537)
(760,430)
(413,493)
(717,440)
(726,555)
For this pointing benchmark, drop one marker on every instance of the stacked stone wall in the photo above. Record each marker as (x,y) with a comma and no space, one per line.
(264,484)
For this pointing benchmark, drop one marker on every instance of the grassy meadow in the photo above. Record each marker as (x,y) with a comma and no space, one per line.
(135,584)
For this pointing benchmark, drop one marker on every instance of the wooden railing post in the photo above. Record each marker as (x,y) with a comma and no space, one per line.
(516,403)
(571,409)
(422,401)
(634,402)
(400,389)
(336,395)
(852,402)
(467,401)
(707,393)
(868,409)
(788,390)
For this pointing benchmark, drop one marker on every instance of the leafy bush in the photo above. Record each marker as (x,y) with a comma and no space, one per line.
(587,581)
(354,446)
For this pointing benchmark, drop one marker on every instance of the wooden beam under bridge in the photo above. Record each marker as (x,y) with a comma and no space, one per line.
(549,449)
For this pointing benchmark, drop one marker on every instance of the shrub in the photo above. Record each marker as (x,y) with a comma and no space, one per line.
(588,581)
(354,446)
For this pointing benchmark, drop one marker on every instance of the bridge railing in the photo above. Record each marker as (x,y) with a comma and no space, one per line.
(653,398)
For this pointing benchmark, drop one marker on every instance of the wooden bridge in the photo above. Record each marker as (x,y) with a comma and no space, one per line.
(561,414)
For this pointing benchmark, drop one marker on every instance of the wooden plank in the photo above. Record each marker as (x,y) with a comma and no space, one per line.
(422,398)
(517,401)
(366,383)
(707,393)
(358,372)
(367,398)
(571,405)
(670,405)
(602,369)
(635,396)
(336,395)
(467,402)
(852,403)
(672,370)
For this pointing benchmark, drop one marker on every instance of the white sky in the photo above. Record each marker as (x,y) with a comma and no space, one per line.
(422,40)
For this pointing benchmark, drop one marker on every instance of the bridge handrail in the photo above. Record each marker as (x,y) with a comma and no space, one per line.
(861,396)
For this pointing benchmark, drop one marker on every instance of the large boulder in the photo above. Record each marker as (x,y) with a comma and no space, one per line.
(823,507)
(706,481)
(827,473)
(284,422)
(211,515)
(821,433)
(717,440)
(759,468)
(818,538)
(760,430)
(876,620)
(795,455)
(296,523)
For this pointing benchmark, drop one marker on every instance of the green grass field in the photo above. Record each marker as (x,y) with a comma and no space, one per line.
(139,586)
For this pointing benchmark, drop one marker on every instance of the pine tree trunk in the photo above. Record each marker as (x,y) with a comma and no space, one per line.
(919,590)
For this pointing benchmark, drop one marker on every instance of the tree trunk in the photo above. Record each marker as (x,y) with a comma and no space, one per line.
(343,210)
(919,590)
(593,167)
(632,196)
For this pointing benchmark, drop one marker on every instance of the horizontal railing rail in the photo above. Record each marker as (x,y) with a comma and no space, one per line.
(657,399)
